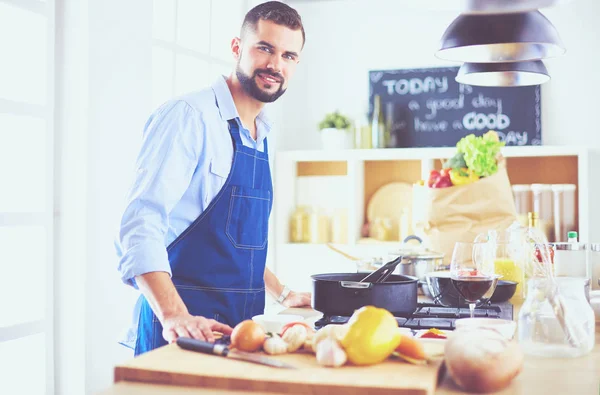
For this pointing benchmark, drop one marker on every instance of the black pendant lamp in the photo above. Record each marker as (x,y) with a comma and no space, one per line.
(503,74)
(500,38)
(505,6)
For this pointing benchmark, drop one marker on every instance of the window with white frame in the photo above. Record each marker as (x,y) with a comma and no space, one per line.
(192,44)
(26,196)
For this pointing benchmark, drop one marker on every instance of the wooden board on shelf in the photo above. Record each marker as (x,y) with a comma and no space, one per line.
(337,168)
(380,173)
(543,170)
(172,365)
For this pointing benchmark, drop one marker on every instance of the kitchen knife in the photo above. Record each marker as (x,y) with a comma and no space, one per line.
(219,349)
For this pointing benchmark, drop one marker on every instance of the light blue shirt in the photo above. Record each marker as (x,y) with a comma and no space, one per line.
(185,158)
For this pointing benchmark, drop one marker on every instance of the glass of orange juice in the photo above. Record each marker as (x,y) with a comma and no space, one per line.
(508,264)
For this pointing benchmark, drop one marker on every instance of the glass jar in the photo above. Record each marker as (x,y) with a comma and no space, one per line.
(543,205)
(339,226)
(523,202)
(299,225)
(564,210)
(541,331)
(594,265)
(381,229)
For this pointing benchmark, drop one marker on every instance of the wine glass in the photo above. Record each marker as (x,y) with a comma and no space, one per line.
(472,271)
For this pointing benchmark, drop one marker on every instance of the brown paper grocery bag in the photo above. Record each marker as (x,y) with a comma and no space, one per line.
(445,216)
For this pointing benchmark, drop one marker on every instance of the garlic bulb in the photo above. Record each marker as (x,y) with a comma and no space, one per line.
(331,331)
(275,345)
(330,353)
(295,337)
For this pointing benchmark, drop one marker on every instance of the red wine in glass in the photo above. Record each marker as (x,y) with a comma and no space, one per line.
(471,272)
(473,288)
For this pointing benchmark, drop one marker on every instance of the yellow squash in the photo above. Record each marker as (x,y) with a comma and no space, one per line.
(372,336)
(462,176)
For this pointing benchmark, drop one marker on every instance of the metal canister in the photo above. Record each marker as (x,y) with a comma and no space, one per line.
(570,260)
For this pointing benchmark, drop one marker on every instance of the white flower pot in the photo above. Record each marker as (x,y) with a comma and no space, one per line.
(336,139)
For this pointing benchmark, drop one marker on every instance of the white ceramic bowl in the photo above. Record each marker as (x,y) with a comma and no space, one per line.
(505,327)
(274,322)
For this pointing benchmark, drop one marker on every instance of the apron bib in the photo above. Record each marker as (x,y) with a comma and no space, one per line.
(218,262)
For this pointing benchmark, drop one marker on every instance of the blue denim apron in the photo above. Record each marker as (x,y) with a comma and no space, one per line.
(218,262)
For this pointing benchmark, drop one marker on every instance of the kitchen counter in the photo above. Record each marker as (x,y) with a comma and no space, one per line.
(579,376)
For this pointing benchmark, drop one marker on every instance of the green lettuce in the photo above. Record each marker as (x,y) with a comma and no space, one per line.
(480,153)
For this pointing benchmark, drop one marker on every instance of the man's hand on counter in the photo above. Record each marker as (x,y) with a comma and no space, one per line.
(196,327)
(297,299)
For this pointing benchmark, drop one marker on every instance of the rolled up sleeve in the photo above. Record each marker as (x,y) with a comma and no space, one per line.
(164,168)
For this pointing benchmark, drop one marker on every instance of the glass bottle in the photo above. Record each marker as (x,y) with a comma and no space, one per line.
(537,237)
(378,129)
(389,138)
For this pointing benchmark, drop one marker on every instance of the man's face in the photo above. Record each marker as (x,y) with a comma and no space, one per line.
(266,59)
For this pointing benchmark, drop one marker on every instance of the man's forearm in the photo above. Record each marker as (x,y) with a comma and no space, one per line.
(161,294)
(272,284)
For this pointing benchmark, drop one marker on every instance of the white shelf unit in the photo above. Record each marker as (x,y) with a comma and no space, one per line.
(364,170)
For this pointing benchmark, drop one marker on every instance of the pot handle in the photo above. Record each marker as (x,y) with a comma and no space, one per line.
(412,237)
(355,285)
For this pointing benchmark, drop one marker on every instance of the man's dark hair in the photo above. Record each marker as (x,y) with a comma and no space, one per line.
(274,11)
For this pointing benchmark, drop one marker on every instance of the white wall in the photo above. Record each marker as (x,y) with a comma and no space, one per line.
(120,40)
(104,95)
(71,86)
(346,39)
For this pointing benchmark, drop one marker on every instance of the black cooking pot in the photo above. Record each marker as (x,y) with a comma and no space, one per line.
(504,291)
(342,293)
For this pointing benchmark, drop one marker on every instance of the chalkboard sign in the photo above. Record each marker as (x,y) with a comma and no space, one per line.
(428,108)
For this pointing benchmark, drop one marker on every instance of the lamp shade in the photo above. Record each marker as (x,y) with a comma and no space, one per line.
(503,74)
(504,6)
(510,37)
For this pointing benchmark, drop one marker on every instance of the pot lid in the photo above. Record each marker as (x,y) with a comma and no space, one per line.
(419,252)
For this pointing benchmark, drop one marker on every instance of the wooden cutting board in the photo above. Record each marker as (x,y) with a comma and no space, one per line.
(172,365)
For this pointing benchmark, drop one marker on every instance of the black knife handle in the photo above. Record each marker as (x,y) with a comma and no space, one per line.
(201,346)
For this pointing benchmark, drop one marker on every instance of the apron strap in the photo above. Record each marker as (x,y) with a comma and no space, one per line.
(234,130)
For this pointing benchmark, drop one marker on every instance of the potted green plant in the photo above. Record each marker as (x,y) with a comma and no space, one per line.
(336,131)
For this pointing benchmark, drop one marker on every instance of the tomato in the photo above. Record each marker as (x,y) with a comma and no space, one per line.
(291,324)
(434,333)
(248,336)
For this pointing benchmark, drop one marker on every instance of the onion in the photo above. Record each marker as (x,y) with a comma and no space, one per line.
(482,360)
(248,336)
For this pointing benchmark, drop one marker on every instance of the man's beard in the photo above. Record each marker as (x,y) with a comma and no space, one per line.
(251,87)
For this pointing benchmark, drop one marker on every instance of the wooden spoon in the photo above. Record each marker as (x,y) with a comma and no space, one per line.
(353,258)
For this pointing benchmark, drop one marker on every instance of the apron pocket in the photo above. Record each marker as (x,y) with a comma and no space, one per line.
(248,219)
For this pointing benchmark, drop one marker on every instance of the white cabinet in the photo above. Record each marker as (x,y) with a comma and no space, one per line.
(354,175)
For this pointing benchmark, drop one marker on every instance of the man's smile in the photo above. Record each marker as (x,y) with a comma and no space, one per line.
(269,79)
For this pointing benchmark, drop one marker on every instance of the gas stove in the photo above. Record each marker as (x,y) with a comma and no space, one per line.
(430,315)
